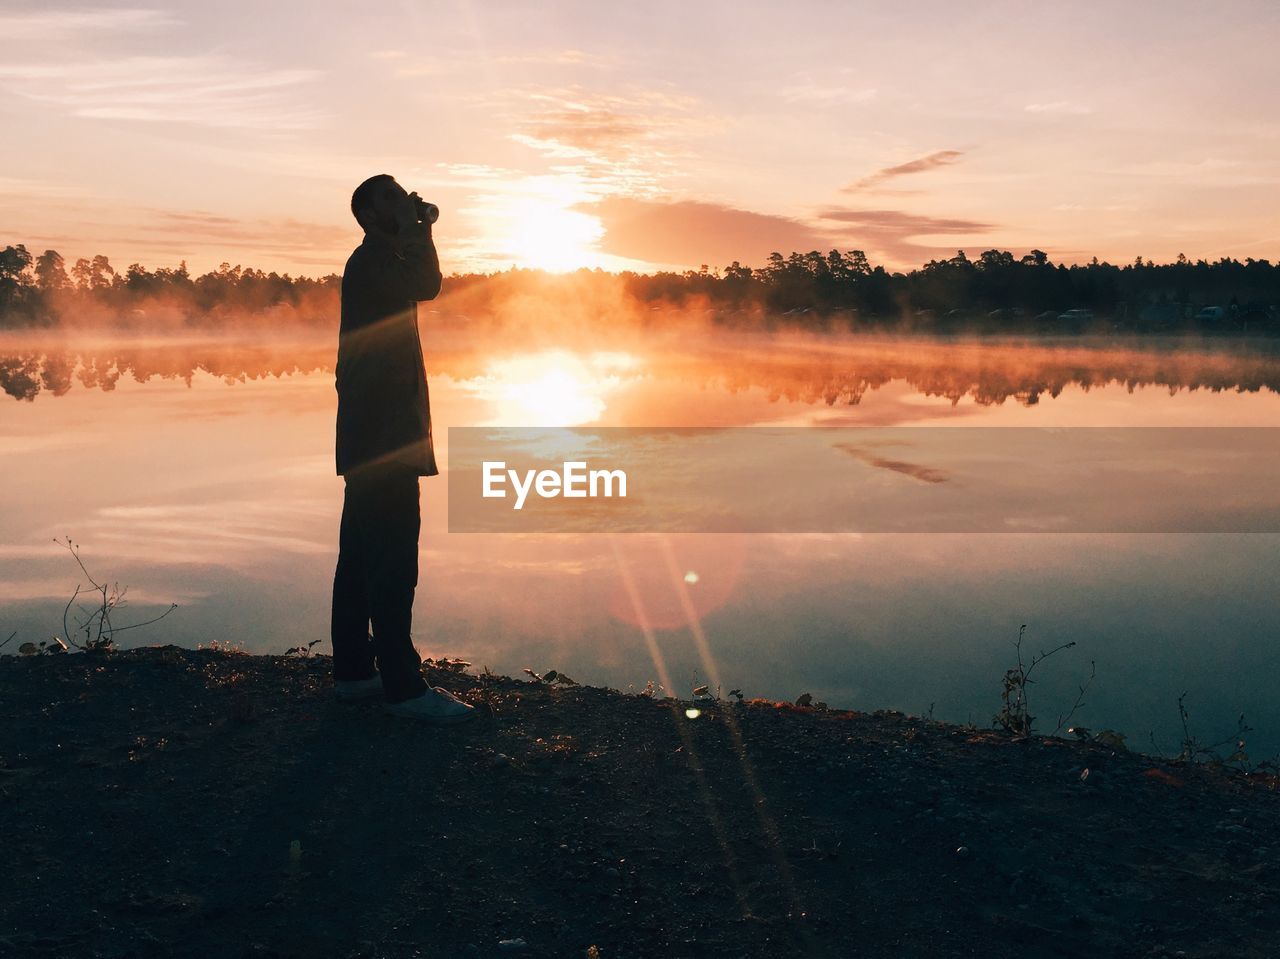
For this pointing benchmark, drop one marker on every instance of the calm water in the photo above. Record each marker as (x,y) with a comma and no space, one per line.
(202,473)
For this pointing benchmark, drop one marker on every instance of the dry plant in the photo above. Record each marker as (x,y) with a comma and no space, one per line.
(95,631)
(1015,715)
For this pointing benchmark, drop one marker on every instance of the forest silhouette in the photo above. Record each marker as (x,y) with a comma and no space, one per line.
(996,292)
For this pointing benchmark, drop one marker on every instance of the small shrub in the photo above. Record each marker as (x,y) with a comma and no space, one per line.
(1015,715)
(95,626)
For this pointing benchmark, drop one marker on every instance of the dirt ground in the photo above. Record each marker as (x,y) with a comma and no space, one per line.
(174,802)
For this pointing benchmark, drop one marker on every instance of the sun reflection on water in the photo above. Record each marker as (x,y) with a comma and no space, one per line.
(551,388)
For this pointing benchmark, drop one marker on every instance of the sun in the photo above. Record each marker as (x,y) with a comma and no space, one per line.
(546,235)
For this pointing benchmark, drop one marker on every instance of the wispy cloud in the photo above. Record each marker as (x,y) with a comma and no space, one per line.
(559,58)
(588,129)
(209,90)
(484,176)
(464,172)
(26,187)
(443,63)
(1094,208)
(1059,106)
(826,93)
(1201,169)
(211,228)
(162,237)
(828,86)
(41,25)
(610,143)
(601,124)
(923,164)
(70,64)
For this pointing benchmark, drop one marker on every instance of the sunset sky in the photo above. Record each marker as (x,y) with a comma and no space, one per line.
(642,136)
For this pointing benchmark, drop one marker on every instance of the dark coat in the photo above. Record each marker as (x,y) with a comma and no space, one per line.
(384,412)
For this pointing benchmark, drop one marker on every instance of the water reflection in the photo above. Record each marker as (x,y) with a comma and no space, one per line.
(29,368)
(225,500)
(553,386)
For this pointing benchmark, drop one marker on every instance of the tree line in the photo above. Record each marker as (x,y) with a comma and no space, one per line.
(43,291)
(997,291)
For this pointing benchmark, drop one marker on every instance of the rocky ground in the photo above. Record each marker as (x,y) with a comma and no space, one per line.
(172,802)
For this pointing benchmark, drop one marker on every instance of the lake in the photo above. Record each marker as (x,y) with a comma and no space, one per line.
(201,472)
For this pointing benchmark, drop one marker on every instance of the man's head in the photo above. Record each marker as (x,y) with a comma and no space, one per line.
(375,203)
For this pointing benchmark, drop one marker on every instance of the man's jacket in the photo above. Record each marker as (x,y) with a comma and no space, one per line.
(384,413)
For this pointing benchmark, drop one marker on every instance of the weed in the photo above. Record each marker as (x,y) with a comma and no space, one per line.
(1195,751)
(551,678)
(96,626)
(653,690)
(1015,715)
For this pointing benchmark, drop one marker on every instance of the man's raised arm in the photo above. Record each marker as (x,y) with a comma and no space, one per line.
(418,267)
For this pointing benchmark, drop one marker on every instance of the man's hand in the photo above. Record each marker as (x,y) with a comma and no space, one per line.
(427,212)
(406,214)
(416,254)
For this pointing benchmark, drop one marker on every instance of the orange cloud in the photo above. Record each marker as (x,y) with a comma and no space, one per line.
(691,232)
(891,234)
(923,164)
(588,128)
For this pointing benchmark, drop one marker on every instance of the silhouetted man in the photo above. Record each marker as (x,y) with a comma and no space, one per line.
(383,446)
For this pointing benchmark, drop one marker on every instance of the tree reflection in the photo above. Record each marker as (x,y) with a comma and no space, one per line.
(832,371)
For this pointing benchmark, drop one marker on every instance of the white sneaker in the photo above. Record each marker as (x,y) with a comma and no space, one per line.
(349,690)
(436,705)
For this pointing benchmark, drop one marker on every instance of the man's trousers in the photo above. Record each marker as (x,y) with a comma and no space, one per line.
(375,581)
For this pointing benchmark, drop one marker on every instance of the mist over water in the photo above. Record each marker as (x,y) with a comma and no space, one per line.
(200,471)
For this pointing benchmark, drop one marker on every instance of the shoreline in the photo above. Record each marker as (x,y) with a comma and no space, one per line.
(169,801)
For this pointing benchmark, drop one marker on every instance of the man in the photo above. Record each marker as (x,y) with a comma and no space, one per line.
(383,446)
